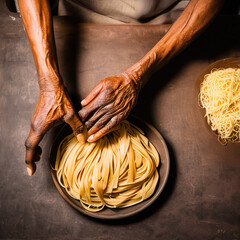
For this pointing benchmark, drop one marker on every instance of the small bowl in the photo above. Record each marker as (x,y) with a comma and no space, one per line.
(220,64)
(109,213)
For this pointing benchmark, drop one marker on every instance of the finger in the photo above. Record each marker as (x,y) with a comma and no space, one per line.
(92,94)
(78,128)
(101,123)
(106,129)
(97,115)
(88,110)
(33,151)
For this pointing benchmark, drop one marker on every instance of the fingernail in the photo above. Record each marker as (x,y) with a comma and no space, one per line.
(30,171)
(90,138)
(81,138)
(83,102)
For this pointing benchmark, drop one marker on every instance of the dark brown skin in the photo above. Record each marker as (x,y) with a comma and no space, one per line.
(54,104)
(113,98)
(111,101)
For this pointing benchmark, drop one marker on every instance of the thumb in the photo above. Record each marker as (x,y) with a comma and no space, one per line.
(33,151)
(79,130)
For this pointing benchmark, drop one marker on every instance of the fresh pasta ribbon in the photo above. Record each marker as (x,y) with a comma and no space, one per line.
(220,96)
(118,170)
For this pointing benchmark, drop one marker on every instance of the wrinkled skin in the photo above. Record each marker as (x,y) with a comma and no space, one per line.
(113,98)
(108,104)
(54,106)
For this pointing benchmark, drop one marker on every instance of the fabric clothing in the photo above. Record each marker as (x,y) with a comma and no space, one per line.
(123,11)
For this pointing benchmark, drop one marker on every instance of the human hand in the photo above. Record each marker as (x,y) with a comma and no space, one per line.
(53,106)
(108,104)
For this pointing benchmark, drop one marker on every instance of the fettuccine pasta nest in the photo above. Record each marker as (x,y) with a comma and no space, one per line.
(119,170)
(220,96)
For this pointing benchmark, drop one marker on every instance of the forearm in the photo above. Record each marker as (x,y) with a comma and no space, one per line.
(37,20)
(189,25)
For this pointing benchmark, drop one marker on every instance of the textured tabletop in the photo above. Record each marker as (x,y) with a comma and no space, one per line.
(202,197)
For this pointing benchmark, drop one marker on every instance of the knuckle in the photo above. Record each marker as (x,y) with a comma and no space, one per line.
(28,144)
(121,116)
(116,120)
(27,162)
(82,114)
(108,108)
(88,124)
(100,125)
(35,126)
(69,116)
(79,130)
(107,87)
(111,124)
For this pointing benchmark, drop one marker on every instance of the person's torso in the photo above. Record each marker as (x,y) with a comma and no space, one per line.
(126,11)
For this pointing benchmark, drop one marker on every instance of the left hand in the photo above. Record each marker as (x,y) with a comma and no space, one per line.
(108,104)
(54,106)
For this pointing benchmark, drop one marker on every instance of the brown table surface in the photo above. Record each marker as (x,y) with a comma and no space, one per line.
(202,197)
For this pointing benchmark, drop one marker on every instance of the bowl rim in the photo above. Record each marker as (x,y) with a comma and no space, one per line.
(146,203)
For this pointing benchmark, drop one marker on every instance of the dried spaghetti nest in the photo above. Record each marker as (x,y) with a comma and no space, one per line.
(220,96)
(119,170)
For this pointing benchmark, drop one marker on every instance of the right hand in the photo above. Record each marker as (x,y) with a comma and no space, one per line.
(53,106)
(108,104)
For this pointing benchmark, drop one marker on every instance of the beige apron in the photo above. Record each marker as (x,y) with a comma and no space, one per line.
(123,11)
